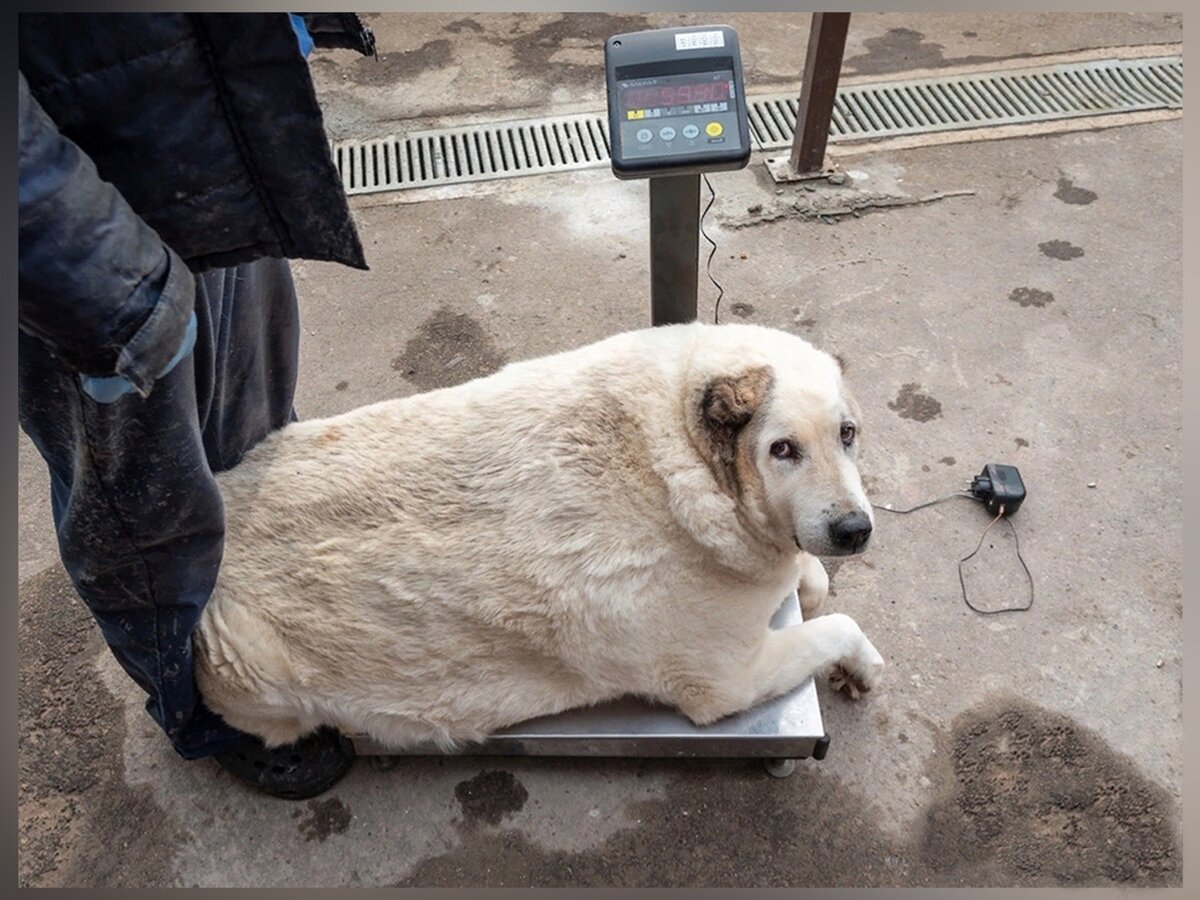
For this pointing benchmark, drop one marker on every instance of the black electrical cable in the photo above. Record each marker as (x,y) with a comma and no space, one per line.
(1028,574)
(754,137)
(904,512)
(712,197)
(708,263)
(961,579)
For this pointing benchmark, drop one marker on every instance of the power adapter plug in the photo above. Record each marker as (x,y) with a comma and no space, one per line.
(999,486)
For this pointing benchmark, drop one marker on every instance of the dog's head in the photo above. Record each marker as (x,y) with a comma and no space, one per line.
(782,435)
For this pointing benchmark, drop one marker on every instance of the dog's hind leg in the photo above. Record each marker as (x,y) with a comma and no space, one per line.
(275,731)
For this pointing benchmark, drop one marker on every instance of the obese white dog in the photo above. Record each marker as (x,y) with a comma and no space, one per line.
(619,519)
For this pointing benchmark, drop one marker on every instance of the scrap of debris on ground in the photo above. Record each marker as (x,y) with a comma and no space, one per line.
(830,198)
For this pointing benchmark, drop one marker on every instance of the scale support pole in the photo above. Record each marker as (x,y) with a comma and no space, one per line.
(674,248)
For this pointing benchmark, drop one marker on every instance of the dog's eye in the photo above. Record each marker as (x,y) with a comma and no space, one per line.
(784,450)
(849,432)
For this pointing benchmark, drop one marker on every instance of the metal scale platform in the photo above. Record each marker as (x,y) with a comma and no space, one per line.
(778,731)
(677,110)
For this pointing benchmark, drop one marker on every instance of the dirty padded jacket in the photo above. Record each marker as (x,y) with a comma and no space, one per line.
(152,146)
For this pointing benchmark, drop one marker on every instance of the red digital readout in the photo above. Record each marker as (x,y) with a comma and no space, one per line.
(676,94)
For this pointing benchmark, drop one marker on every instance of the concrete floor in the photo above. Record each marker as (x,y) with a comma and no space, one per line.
(1037,322)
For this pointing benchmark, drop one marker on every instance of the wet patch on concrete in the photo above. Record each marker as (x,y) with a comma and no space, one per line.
(1038,800)
(490,796)
(721,823)
(1068,193)
(1031,297)
(534,53)
(902,49)
(1064,250)
(392,68)
(1009,770)
(910,403)
(742,310)
(74,807)
(341,385)
(948,461)
(1021,442)
(324,818)
(460,25)
(449,349)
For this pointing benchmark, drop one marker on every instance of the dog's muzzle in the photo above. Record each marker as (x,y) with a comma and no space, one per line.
(850,533)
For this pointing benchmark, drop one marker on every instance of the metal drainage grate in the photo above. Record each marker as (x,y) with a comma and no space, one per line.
(861,112)
(473,153)
(926,105)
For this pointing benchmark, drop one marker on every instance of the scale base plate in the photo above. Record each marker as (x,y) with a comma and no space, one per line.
(788,727)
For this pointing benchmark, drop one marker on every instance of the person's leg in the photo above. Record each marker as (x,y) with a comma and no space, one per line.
(246,372)
(140,525)
(138,513)
(246,389)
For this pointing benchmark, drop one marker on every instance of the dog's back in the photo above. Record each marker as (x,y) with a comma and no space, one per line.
(435,556)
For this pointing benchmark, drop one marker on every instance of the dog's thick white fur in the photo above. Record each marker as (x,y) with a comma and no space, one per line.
(619,519)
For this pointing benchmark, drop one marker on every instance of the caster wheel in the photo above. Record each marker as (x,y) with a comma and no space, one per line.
(780,768)
(383,763)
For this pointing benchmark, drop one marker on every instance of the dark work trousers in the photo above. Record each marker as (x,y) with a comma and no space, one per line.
(139,517)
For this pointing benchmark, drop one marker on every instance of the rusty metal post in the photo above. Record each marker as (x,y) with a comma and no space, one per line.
(822,66)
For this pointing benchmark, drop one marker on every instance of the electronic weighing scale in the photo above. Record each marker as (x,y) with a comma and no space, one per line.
(676,110)
(778,731)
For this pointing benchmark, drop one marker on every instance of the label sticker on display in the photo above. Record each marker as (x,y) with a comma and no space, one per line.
(699,40)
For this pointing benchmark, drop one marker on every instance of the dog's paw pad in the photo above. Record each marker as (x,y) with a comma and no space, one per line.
(842,680)
(854,685)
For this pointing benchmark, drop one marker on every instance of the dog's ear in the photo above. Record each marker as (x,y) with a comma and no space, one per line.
(731,401)
(727,406)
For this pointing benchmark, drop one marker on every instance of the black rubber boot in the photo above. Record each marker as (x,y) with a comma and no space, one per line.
(309,767)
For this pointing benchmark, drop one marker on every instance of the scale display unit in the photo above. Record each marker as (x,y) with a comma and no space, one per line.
(677,111)
(676,103)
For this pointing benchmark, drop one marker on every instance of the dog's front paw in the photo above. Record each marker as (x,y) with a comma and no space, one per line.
(856,675)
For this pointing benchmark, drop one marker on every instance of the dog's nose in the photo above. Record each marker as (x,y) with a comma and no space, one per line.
(850,532)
